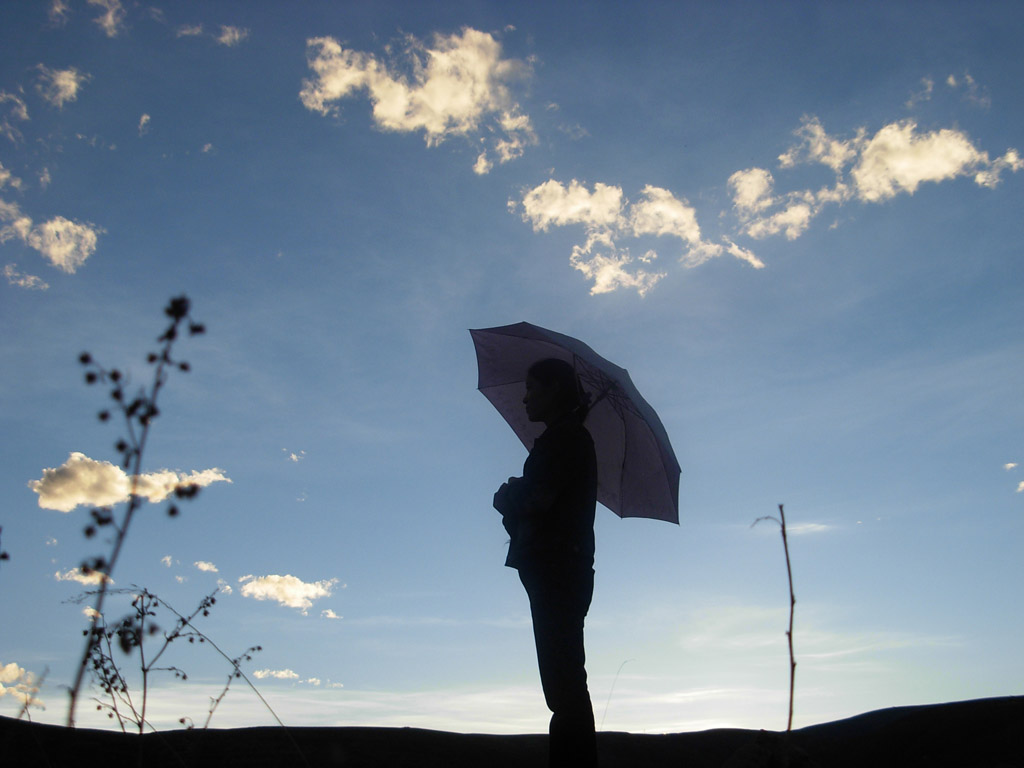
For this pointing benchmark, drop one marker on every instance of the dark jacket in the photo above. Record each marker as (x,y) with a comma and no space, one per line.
(549,512)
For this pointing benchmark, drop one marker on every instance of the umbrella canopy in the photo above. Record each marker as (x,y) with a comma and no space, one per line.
(637,471)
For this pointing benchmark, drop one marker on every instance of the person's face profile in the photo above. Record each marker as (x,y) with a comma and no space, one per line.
(540,400)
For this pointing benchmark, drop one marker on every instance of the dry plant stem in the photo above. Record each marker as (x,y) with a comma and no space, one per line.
(122,532)
(131,633)
(792,608)
(133,450)
(612,690)
(237,671)
(781,520)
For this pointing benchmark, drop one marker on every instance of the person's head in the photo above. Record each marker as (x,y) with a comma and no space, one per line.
(552,391)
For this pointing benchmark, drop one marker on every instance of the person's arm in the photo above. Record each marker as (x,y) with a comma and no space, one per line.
(549,471)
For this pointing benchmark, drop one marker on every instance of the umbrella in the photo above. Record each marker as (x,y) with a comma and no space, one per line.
(637,471)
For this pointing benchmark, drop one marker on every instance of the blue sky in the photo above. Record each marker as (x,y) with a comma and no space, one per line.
(798,225)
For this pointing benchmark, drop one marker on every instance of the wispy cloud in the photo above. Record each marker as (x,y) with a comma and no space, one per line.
(232,36)
(287,590)
(84,481)
(59,86)
(59,12)
(327,613)
(206,566)
(801,529)
(64,243)
(1010,465)
(972,92)
(278,674)
(924,94)
(13,107)
(609,220)
(144,124)
(6,177)
(111,20)
(19,684)
(90,579)
(454,86)
(896,160)
(21,280)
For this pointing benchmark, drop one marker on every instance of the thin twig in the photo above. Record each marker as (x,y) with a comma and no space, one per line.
(781,520)
(610,690)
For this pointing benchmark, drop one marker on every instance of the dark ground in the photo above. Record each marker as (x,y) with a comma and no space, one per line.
(986,733)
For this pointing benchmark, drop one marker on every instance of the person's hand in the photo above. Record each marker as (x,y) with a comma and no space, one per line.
(501,498)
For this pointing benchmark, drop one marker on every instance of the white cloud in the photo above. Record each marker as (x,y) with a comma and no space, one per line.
(288,590)
(224,587)
(21,280)
(327,613)
(280,674)
(898,159)
(482,166)
(84,481)
(20,684)
(454,85)
(1020,487)
(817,146)
(974,94)
(59,86)
(93,578)
(989,177)
(6,177)
(314,681)
(111,20)
(232,36)
(608,219)
(608,270)
(91,613)
(751,189)
(793,220)
(144,124)
(64,243)
(744,254)
(189,30)
(553,204)
(927,87)
(801,529)
(206,566)
(659,213)
(293,456)
(167,560)
(1010,465)
(17,110)
(59,12)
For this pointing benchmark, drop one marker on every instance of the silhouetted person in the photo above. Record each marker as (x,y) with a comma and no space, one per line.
(549,515)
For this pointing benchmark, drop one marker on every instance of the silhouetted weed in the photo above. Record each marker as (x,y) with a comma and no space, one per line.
(137,413)
(781,520)
(130,634)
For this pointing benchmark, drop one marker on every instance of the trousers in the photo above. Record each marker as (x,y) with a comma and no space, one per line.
(560,597)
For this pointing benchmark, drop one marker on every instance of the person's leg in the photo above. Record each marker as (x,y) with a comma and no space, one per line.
(559,604)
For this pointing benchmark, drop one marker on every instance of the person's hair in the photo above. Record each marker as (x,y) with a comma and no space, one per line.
(552,371)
